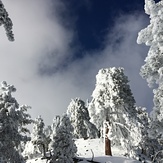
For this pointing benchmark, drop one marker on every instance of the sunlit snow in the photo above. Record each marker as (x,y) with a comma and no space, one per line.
(96,147)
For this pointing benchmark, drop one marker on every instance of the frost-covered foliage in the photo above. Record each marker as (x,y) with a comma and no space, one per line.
(63,146)
(158,157)
(38,136)
(80,120)
(156,125)
(152,36)
(144,118)
(147,144)
(55,125)
(6,22)
(12,121)
(47,132)
(37,145)
(152,71)
(113,101)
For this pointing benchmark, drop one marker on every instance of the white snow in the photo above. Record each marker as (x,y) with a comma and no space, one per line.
(107,159)
(85,149)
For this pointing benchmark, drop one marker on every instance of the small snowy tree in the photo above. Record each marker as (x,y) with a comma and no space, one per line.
(55,125)
(37,145)
(6,22)
(38,136)
(47,132)
(12,121)
(152,70)
(114,103)
(63,146)
(80,120)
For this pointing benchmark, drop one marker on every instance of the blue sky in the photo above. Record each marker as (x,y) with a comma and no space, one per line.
(93,18)
(60,45)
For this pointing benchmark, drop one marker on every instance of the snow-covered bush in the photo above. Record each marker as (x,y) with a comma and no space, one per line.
(12,121)
(63,147)
(80,120)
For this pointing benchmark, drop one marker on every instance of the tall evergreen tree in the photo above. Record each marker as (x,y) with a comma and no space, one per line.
(114,104)
(63,146)
(80,120)
(152,70)
(12,124)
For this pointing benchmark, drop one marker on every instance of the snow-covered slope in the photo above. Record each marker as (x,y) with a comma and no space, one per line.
(100,159)
(86,147)
(94,148)
(112,159)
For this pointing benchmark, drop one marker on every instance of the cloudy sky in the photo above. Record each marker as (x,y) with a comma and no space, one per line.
(61,44)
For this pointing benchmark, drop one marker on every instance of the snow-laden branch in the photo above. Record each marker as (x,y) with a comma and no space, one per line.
(6,22)
(120,124)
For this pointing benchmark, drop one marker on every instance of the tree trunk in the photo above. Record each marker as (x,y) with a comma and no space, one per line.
(43,151)
(108,147)
(107,142)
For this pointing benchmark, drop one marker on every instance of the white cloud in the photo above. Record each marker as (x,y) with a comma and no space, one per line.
(120,50)
(35,62)
(39,33)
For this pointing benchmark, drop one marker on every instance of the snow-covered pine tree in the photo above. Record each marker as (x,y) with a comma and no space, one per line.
(47,132)
(63,147)
(114,104)
(36,147)
(147,144)
(38,136)
(12,123)
(6,22)
(55,125)
(152,70)
(80,120)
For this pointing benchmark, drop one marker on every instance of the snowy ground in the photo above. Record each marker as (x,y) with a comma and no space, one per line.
(113,159)
(87,148)
(95,146)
